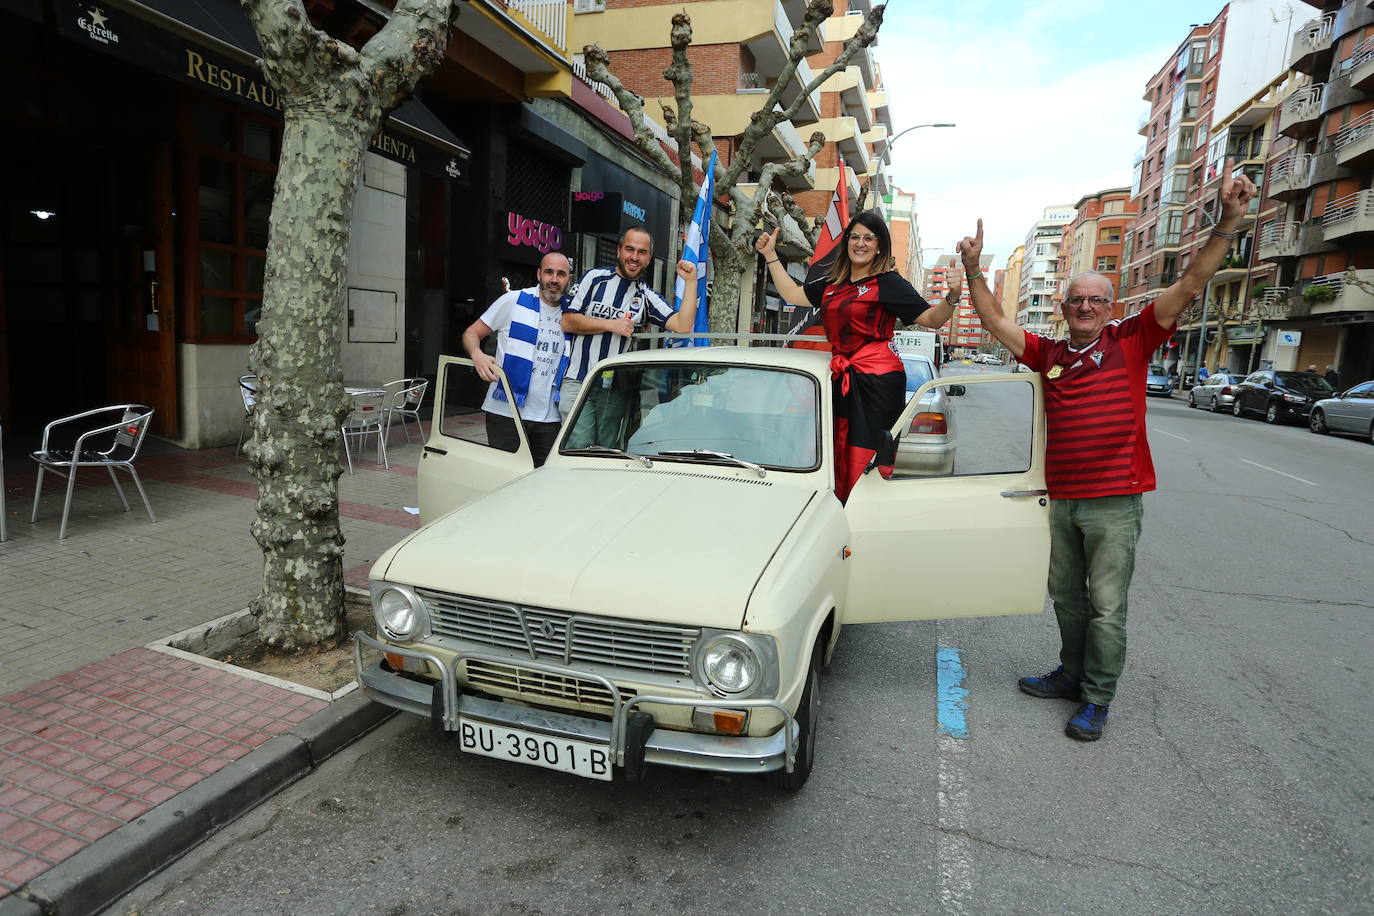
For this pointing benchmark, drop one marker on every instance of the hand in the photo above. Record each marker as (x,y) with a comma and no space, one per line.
(1235,195)
(767,243)
(955,291)
(624,325)
(485,366)
(971,249)
(687,271)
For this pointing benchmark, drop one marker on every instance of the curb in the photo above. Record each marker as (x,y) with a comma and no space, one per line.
(117,863)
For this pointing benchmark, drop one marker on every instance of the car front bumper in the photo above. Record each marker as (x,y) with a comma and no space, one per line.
(692,750)
(1159,389)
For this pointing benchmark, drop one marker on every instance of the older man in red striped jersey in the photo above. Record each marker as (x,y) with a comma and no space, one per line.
(1097,462)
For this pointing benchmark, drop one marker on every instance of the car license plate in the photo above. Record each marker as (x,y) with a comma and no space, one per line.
(567,755)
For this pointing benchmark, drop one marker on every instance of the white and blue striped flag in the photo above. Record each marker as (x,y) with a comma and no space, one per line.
(697,248)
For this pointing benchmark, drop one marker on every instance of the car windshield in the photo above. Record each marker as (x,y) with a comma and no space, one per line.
(1157,370)
(918,372)
(1304,381)
(766,416)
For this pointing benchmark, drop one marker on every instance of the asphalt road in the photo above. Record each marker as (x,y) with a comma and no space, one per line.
(1235,775)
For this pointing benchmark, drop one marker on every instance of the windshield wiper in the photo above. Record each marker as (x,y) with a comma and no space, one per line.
(707,453)
(607,450)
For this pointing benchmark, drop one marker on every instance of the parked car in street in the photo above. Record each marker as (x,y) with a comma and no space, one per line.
(1215,394)
(987,359)
(927,449)
(1351,411)
(1279,395)
(1158,382)
(668,588)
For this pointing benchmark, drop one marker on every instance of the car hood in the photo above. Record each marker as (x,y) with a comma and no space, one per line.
(672,543)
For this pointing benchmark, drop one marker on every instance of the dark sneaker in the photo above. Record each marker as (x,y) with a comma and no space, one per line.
(1087,723)
(1053,686)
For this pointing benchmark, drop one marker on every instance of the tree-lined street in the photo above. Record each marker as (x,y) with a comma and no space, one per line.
(1234,776)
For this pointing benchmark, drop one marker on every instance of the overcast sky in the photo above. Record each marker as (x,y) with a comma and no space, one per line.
(1046,96)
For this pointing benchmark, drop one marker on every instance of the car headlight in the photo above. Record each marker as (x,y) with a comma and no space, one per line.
(399,611)
(732,664)
(1295,398)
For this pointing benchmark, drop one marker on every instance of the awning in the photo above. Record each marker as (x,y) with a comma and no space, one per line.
(210,44)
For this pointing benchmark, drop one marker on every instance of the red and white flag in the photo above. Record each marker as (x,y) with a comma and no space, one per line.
(805,321)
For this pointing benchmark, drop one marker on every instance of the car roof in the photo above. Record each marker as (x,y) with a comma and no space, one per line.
(813,361)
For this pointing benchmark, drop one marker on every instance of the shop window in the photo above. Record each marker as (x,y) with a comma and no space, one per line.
(230,170)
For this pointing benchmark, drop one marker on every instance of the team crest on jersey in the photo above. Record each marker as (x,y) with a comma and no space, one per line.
(1055,372)
(863,289)
(1096,357)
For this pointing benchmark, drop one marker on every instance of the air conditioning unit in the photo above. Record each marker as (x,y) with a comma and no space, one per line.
(589,6)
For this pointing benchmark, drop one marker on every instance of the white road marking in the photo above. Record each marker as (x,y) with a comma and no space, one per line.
(1170,435)
(953,845)
(1280,473)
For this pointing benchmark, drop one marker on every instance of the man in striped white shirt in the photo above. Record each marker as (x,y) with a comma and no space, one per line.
(611,302)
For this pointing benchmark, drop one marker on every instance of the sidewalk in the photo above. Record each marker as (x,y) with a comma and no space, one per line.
(115,757)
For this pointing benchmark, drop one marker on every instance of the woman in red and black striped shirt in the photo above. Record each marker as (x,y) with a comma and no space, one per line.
(860,302)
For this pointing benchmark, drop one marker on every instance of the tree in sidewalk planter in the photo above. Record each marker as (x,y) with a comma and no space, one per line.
(732,248)
(333,98)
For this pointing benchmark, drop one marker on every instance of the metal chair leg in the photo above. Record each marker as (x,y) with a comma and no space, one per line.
(67,506)
(118,488)
(37,491)
(138,482)
(381,448)
(243,427)
(347,454)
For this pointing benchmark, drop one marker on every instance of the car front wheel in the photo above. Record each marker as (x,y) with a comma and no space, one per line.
(1317,423)
(1236,408)
(1216,404)
(808,718)
(1192,401)
(1271,413)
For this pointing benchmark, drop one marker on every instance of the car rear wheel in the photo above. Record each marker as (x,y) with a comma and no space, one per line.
(1317,423)
(1216,404)
(1371,433)
(808,717)
(1192,401)
(1271,413)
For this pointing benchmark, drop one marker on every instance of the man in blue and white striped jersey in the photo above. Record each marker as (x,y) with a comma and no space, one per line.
(611,302)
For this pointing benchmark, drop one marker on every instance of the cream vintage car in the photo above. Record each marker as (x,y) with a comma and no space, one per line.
(669,587)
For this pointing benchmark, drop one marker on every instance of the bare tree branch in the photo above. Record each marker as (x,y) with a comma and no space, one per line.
(598,70)
(680,73)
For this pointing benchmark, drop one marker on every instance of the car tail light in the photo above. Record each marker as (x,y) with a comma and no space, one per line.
(931,424)
(1225,389)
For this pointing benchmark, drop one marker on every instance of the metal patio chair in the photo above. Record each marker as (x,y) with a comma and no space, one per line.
(366,418)
(406,396)
(120,428)
(248,390)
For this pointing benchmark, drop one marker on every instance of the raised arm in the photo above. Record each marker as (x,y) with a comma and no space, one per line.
(1011,334)
(940,312)
(1235,198)
(790,290)
(684,319)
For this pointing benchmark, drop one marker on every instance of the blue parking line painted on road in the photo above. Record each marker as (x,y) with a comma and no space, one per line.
(950,693)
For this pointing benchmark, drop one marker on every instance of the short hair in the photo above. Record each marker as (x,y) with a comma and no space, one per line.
(561,255)
(1090,275)
(638,228)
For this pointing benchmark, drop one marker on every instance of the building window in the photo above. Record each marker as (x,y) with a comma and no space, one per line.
(1106,263)
(1110,236)
(231,170)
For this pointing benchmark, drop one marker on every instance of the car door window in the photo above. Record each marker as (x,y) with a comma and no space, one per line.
(1362,391)
(462,416)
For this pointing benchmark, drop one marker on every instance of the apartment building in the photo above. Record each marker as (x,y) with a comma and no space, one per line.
(1011,283)
(906,234)
(963,334)
(1319,304)
(1041,281)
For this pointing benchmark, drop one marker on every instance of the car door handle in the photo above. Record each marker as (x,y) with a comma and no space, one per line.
(437,451)
(1012,494)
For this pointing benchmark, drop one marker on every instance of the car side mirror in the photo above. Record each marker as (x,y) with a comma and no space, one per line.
(955,390)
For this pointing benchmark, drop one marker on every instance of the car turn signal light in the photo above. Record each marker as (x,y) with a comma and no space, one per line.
(932,424)
(720,721)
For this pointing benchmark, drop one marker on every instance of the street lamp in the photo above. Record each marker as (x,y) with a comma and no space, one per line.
(893,140)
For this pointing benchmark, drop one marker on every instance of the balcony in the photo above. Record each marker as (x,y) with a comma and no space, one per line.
(1343,292)
(853,97)
(785,143)
(530,35)
(844,133)
(1301,111)
(1288,176)
(1277,240)
(1272,304)
(1144,126)
(1312,44)
(1354,142)
(878,101)
(1349,216)
(770,50)
(1362,65)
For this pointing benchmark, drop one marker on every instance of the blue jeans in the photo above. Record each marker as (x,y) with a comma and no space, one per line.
(1092,559)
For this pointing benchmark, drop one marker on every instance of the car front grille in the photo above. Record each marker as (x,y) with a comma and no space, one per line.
(632,644)
(526,682)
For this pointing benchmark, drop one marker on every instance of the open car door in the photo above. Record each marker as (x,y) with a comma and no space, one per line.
(973,542)
(459,463)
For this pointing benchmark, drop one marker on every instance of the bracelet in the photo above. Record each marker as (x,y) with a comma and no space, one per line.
(1225,235)
(774,261)
(977,275)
